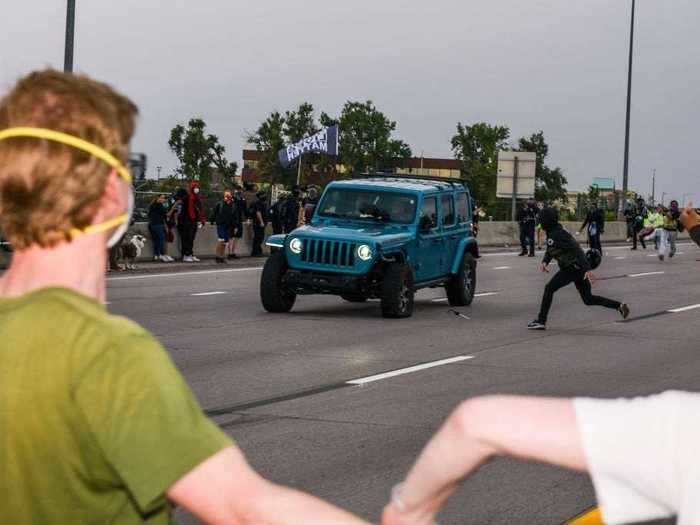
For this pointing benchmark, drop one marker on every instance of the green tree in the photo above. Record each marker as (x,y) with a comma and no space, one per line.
(365,139)
(199,153)
(477,147)
(550,183)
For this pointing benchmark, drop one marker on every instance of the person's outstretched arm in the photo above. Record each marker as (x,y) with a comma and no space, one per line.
(224,489)
(538,429)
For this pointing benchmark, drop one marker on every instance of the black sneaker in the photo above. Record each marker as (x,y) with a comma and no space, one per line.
(536,325)
(624,311)
(522,254)
(220,260)
(232,256)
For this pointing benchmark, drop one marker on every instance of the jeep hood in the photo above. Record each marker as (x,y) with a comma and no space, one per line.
(383,235)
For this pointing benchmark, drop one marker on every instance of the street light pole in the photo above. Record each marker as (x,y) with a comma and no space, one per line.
(625,172)
(70,34)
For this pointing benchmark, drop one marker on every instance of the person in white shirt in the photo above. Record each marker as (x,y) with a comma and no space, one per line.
(641,453)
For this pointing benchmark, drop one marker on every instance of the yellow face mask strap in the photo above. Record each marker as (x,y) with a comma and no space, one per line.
(70,140)
(92,149)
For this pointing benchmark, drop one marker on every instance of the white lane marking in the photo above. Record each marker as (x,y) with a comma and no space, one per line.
(410,369)
(620,258)
(652,255)
(684,308)
(483,294)
(515,253)
(206,293)
(644,274)
(177,274)
(502,268)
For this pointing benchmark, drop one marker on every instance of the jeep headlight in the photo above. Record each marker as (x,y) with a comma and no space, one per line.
(296,246)
(364,252)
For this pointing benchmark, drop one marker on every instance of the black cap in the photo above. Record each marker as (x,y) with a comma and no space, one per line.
(549,218)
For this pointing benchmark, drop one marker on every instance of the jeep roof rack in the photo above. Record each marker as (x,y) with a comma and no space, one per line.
(388,175)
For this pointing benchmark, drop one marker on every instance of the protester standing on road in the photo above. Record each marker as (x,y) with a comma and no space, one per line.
(672,225)
(157,214)
(293,216)
(573,268)
(629,214)
(259,217)
(239,216)
(101,428)
(640,220)
(527,217)
(595,221)
(189,220)
(277,214)
(223,217)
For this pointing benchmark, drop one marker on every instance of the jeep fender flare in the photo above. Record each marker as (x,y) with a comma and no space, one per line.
(467,245)
(397,256)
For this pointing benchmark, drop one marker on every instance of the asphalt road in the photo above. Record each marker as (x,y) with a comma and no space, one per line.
(278,383)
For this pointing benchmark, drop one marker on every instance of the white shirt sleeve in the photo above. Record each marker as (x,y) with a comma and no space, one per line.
(642,455)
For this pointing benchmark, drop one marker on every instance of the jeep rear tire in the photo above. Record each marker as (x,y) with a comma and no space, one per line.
(275,297)
(354,297)
(460,289)
(397,291)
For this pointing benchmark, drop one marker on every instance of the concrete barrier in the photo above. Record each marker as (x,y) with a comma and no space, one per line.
(491,234)
(204,243)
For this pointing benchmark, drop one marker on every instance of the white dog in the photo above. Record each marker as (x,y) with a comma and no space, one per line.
(131,250)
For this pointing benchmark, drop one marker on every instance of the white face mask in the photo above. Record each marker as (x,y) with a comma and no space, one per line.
(124,226)
(196,190)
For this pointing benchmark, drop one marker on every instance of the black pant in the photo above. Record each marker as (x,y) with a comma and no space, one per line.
(258,238)
(187,232)
(527,238)
(635,234)
(565,277)
(594,242)
(158,236)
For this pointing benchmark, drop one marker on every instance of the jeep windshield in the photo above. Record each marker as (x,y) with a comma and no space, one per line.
(355,204)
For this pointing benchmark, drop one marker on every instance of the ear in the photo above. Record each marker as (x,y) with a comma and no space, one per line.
(114,197)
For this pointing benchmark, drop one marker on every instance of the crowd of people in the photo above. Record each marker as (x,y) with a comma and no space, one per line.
(98,425)
(184,212)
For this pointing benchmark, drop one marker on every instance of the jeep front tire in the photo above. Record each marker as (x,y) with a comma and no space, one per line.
(397,291)
(274,295)
(460,288)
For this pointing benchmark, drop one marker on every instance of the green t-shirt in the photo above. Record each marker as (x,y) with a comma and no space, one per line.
(96,423)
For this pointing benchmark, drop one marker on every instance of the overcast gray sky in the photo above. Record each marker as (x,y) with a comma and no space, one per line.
(554,65)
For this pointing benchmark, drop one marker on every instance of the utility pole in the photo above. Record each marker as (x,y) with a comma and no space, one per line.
(653,187)
(514,203)
(70,36)
(625,172)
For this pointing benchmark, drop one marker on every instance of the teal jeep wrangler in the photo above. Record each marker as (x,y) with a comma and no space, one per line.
(380,237)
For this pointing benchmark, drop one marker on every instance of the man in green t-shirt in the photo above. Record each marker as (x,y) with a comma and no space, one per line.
(96,424)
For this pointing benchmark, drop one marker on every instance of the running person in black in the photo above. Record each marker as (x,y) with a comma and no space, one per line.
(573,268)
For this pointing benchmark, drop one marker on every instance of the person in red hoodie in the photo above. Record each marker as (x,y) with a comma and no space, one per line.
(190,219)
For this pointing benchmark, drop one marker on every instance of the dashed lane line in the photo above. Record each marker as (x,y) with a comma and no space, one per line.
(408,370)
(203,294)
(645,274)
(178,274)
(501,268)
(662,312)
(684,308)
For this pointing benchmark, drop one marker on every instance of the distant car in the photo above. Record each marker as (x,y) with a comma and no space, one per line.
(380,237)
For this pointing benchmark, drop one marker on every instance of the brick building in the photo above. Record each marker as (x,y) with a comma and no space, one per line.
(424,166)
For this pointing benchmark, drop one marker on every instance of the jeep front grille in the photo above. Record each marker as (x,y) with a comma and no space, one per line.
(331,253)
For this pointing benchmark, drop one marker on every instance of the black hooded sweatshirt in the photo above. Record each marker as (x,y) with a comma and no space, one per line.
(561,245)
